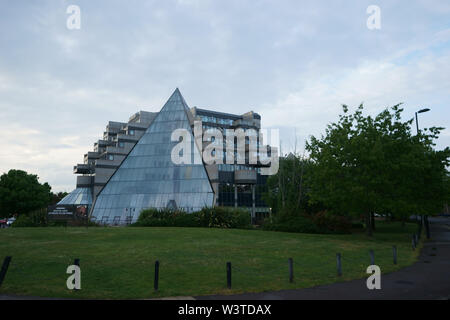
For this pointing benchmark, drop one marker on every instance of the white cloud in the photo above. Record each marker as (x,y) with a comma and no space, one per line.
(293,62)
(377,84)
(40,153)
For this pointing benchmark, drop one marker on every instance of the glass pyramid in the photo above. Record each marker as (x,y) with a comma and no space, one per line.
(79,196)
(147,178)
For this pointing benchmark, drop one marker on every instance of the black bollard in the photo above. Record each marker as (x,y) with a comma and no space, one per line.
(427,227)
(419,231)
(229,275)
(394,253)
(372,257)
(4,269)
(156,283)
(291,270)
(339,264)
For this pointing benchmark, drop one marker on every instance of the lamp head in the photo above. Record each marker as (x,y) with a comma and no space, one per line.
(423,110)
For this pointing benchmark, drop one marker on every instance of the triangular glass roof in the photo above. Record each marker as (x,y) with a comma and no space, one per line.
(79,196)
(147,177)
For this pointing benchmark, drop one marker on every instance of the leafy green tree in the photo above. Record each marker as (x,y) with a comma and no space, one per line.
(287,191)
(21,193)
(432,188)
(57,197)
(365,164)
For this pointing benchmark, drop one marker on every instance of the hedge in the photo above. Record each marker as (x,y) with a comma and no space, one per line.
(217,217)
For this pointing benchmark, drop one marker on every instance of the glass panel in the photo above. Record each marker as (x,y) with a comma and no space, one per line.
(79,196)
(148,177)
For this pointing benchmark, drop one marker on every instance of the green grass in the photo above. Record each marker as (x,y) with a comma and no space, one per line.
(118,263)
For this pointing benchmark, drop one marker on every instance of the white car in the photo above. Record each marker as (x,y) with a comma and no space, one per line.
(10,221)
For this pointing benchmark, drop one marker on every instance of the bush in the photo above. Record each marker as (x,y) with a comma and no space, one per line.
(321,222)
(222,217)
(23,221)
(217,217)
(357,225)
(37,218)
(165,218)
(332,223)
(299,224)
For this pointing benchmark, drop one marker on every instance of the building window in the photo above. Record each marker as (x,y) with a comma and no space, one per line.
(121,144)
(111,157)
(131,132)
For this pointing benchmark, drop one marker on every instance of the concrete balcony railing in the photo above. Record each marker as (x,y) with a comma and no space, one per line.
(82,169)
(90,156)
(137,125)
(84,181)
(117,150)
(110,163)
(126,137)
(245,176)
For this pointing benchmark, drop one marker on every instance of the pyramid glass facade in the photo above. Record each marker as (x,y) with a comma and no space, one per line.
(79,196)
(148,178)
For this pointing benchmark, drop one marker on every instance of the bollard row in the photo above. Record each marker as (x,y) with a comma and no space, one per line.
(7,262)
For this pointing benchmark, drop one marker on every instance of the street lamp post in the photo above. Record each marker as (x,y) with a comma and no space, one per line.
(424,220)
(417,121)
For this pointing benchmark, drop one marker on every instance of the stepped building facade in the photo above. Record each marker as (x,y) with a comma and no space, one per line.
(132,167)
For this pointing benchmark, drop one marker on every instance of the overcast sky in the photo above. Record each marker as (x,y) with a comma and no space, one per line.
(293,62)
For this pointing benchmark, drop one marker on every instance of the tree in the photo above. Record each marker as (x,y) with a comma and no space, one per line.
(57,197)
(432,191)
(21,193)
(287,190)
(364,165)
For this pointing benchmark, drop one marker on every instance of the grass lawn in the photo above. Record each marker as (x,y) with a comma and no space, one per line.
(118,263)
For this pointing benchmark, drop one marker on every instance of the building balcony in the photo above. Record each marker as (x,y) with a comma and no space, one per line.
(117,150)
(117,160)
(83,169)
(127,138)
(91,156)
(245,177)
(103,143)
(84,181)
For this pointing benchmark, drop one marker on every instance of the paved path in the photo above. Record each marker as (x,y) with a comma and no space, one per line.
(429,278)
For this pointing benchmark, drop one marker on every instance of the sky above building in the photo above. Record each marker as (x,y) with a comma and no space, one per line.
(293,62)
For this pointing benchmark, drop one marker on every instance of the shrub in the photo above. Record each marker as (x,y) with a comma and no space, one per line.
(223,217)
(37,218)
(332,223)
(357,225)
(217,217)
(299,224)
(23,221)
(165,218)
(321,222)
